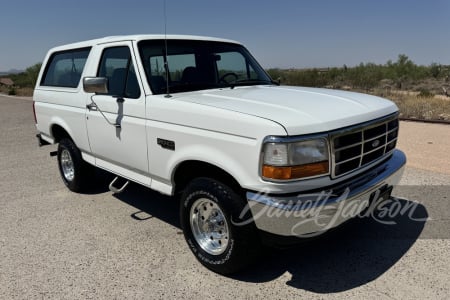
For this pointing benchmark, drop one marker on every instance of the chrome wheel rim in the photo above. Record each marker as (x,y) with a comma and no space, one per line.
(67,166)
(209,226)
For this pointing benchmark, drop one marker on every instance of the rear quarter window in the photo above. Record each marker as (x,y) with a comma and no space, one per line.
(64,68)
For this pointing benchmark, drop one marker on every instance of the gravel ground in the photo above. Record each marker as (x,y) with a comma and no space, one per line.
(426,146)
(55,244)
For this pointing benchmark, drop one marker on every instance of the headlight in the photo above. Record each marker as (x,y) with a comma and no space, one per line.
(294,160)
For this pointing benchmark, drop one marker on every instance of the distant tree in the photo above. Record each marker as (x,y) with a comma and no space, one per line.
(435,70)
(403,73)
(33,72)
(28,77)
(404,66)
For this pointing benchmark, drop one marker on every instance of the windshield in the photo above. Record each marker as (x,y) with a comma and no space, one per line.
(197,65)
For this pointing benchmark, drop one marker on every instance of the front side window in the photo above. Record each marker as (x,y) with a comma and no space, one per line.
(64,68)
(117,66)
(197,65)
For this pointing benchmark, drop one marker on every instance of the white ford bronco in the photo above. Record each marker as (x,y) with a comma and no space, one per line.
(198,117)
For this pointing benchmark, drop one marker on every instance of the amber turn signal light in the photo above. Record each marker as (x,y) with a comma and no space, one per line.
(295,172)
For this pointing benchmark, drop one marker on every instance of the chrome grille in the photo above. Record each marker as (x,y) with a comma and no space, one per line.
(362,145)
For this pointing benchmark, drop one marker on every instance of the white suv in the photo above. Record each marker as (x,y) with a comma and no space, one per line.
(197,116)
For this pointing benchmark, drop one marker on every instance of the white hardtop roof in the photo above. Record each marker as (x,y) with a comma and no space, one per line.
(139,37)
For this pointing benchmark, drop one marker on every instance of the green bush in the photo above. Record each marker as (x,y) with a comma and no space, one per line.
(12,92)
(365,76)
(425,94)
(435,70)
(27,78)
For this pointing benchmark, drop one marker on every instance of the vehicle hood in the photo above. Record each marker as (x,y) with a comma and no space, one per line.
(299,110)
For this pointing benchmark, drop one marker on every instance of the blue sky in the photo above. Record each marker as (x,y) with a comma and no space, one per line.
(284,33)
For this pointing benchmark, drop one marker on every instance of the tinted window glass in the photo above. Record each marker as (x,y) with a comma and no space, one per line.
(117,66)
(64,68)
(233,65)
(197,65)
(177,64)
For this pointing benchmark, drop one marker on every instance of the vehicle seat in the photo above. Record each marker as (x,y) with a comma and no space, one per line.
(191,75)
(117,82)
(69,79)
(158,84)
(132,89)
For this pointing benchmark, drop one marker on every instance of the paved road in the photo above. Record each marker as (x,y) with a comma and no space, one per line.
(55,244)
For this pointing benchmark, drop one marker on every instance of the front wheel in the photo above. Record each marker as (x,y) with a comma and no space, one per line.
(209,212)
(75,172)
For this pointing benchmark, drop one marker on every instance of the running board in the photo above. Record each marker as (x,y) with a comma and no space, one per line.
(116,190)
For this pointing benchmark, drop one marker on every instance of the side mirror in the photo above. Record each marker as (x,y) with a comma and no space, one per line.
(98,85)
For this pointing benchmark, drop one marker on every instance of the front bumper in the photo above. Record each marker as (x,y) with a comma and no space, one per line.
(311,213)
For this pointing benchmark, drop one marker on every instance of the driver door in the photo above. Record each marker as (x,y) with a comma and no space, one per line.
(117,137)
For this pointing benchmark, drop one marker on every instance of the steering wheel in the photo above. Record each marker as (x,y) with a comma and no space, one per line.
(222,78)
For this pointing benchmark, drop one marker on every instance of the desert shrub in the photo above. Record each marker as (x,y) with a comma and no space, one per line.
(435,70)
(424,93)
(28,77)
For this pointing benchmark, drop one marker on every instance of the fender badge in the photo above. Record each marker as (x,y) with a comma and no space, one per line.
(166,144)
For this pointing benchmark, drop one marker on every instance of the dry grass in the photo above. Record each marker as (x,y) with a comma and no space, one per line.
(24,92)
(414,105)
(422,108)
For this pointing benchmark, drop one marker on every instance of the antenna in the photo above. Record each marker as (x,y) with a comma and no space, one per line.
(166,65)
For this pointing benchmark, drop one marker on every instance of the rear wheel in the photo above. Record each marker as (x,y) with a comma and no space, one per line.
(75,172)
(210,218)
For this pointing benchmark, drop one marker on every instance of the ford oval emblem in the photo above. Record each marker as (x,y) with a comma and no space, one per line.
(375,143)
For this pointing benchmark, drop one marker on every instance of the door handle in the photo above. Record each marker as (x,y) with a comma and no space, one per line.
(92,106)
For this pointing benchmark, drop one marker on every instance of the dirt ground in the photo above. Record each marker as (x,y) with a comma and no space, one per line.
(427,146)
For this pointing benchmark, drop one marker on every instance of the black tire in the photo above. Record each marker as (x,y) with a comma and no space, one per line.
(75,172)
(242,241)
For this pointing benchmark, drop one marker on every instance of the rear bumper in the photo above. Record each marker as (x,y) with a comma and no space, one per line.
(311,213)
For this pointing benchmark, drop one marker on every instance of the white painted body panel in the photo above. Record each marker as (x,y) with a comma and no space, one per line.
(230,140)
(63,107)
(298,109)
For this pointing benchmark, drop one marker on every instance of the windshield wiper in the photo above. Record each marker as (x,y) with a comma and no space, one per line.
(244,82)
(179,88)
